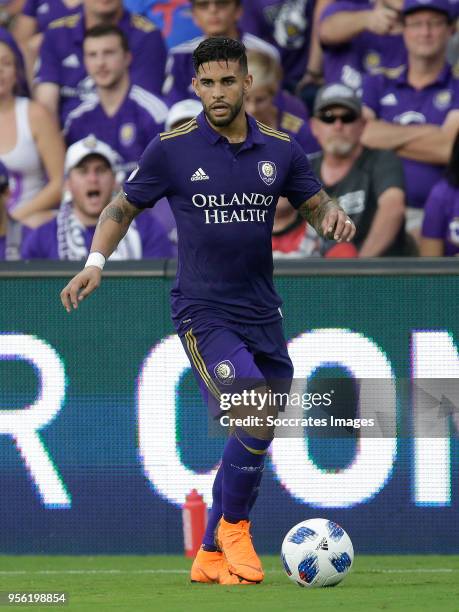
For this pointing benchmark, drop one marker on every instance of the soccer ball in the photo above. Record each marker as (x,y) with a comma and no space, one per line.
(317,553)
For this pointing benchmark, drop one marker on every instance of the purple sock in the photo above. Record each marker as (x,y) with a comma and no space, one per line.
(215,514)
(243,461)
(256,490)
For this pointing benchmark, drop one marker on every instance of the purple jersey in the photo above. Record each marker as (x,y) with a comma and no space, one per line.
(147,240)
(300,130)
(395,100)
(223,202)
(61,58)
(366,53)
(291,104)
(441,218)
(140,117)
(286,24)
(180,70)
(46,11)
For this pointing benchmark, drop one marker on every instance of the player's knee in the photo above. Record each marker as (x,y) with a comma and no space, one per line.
(256,416)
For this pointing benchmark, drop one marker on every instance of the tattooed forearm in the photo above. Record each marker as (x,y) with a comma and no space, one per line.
(315,209)
(119,210)
(108,235)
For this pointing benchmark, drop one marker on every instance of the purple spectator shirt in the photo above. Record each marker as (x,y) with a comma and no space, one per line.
(46,11)
(180,70)
(287,25)
(441,216)
(140,117)
(42,243)
(61,58)
(224,203)
(396,101)
(366,53)
(300,131)
(286,102)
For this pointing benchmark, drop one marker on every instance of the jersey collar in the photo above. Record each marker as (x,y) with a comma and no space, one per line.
(442,78)
(254,136)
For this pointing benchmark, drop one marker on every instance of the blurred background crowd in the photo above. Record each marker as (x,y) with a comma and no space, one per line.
(370,91)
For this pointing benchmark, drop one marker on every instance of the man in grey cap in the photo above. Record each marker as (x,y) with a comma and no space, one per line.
(367,183)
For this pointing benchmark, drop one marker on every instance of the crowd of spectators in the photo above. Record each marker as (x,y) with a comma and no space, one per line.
(369,90)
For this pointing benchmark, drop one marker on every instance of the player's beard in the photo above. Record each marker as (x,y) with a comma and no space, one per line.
(234,109)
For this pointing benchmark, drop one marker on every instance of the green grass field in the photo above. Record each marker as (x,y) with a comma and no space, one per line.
(161,583)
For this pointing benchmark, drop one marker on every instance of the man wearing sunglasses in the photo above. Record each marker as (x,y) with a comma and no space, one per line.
(368,184)
(214,18)
(415,113)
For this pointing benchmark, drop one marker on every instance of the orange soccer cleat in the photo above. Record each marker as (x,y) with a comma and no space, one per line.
(212,568)
(236,542)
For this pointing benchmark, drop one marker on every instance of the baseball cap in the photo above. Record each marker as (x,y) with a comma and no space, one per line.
(185,109)
(90,145)
(4,176)
(442,6)
(337,94)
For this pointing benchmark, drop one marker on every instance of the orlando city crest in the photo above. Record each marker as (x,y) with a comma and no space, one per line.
(267,171)
(224,372)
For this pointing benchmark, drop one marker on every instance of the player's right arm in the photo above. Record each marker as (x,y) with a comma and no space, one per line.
(112,226)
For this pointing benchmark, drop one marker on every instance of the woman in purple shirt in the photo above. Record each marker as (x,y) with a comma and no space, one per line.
(440,229)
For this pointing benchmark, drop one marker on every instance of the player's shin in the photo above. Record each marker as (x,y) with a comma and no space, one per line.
(215,514)
(243,463)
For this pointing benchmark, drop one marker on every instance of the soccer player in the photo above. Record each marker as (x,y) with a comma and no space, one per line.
(223,173)
(214,18)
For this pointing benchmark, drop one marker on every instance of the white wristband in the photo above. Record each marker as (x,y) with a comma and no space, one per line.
(96,259)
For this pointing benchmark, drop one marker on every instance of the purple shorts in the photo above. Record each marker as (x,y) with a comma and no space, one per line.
(229,357)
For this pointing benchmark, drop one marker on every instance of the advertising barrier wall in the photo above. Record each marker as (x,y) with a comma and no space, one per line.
(103,430)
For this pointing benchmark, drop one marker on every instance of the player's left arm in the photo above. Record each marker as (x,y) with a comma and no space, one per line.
(327,217)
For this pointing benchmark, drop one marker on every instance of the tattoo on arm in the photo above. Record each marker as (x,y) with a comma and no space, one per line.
(315,209)
(120,210)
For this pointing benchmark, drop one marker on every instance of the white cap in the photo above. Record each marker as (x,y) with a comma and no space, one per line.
(77,152)
(185,109)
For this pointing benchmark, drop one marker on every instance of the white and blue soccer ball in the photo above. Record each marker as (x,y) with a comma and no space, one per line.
(317,553)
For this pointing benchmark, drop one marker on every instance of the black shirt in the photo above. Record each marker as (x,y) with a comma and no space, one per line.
(357,193)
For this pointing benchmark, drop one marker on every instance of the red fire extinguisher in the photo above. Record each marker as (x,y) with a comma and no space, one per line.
(194,517)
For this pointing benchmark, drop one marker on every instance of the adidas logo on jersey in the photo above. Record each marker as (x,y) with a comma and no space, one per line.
(199,175)
(71,61)
(323,544)
(389,100)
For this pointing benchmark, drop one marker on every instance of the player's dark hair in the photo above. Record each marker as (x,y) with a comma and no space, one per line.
(105,29)
(452,169)
(220,49)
